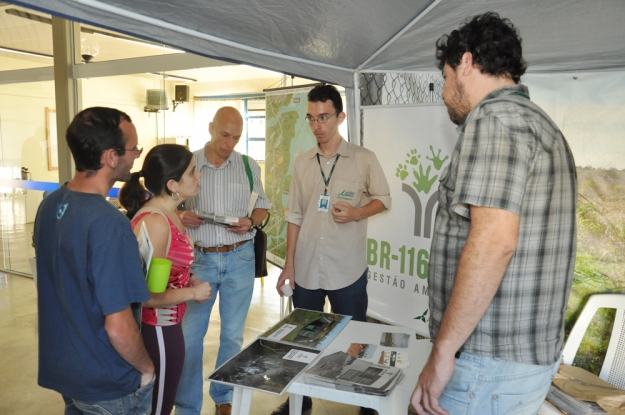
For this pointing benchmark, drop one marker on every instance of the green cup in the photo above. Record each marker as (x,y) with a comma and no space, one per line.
(158,274)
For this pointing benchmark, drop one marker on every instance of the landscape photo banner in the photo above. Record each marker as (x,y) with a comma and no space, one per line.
(287,135)
(413,144)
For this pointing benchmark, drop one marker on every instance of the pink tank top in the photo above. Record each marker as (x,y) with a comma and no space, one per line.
(181,256)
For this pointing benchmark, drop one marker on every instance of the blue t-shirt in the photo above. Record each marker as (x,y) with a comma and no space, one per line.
(88,266)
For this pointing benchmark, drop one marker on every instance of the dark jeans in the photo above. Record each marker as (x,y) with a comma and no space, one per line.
(350,301)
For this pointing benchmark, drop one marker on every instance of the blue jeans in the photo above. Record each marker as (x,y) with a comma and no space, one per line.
(231,274)
(138,402)
(485,385)
(350,301)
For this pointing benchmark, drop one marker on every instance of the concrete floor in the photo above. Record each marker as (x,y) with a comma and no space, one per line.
(20,394)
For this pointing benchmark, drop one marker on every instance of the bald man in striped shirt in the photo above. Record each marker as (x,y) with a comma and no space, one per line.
(224,256)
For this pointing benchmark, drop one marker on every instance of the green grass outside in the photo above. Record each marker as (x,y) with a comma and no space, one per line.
(600,265)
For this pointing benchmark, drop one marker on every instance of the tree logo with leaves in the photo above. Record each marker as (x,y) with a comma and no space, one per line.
(423,182)
(424,171)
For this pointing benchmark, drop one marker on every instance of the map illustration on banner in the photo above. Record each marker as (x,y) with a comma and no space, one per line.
(287,135)
(398,241)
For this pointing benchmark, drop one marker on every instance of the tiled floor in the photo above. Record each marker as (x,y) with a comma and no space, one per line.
(20,394)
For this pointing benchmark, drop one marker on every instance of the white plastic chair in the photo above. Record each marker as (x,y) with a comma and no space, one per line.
(613,369)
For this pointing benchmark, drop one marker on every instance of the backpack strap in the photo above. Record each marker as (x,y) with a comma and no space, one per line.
(248,170)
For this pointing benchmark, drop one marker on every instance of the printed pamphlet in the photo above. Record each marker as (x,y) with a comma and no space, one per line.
(395,340)
(306,328)
(344,372)
(379,355)
(280,354)
(146,249)
(265,365)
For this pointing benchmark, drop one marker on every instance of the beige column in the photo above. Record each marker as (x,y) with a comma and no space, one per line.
(68,94)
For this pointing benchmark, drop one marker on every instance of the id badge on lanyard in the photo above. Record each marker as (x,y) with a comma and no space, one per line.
(324,202)
(324,199)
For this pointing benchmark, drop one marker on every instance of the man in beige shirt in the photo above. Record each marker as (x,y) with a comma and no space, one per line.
(335,187)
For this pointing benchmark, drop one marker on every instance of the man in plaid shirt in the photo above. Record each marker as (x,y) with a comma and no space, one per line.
(503,250)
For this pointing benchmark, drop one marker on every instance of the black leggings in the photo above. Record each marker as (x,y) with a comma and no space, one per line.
(165,345)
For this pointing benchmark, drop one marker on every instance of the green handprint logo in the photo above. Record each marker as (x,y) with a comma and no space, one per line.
(436,158)
(423,181)
(401,172)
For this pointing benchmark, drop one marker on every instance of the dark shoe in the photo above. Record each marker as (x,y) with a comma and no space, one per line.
(284,408)
(224,409)
(367,411)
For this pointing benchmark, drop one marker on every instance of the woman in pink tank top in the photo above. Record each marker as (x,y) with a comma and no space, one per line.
(170,176)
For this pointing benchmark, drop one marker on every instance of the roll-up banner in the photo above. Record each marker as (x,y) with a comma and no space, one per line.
(413,145)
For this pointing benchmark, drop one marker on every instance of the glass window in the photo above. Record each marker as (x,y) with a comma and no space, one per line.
(27,138)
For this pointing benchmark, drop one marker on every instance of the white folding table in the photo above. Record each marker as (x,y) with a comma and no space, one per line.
(355,332)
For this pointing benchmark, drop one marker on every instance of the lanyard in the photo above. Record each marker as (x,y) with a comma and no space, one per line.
(327,181)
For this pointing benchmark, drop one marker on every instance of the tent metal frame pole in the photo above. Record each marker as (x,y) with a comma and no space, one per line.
(400,33)
(169,26)
(434,70)
(358,117)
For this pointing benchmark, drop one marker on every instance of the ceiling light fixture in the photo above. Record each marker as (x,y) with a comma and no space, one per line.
(89,48)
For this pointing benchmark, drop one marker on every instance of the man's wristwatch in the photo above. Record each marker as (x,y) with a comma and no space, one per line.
(253,222)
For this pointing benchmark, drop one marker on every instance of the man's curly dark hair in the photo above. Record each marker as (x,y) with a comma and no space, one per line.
(494,43)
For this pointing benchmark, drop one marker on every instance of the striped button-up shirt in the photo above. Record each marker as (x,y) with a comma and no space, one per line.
(224,190)
(510,155)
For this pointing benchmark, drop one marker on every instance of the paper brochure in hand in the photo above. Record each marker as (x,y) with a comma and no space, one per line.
(146,249)
(215,219)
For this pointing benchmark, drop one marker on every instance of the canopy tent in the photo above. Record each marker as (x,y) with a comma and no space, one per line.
(332,41)
(338,41)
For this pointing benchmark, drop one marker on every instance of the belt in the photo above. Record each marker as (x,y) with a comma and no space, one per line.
(222,248)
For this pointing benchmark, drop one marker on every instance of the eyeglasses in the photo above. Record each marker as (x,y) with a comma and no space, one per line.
(137,149)
(322,119)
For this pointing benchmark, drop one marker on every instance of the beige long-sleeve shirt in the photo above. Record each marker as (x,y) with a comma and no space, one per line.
(332,255)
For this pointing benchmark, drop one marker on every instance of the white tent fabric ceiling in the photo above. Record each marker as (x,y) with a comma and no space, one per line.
(330,40)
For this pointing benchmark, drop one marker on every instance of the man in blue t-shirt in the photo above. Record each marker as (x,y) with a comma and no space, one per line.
(90,277)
